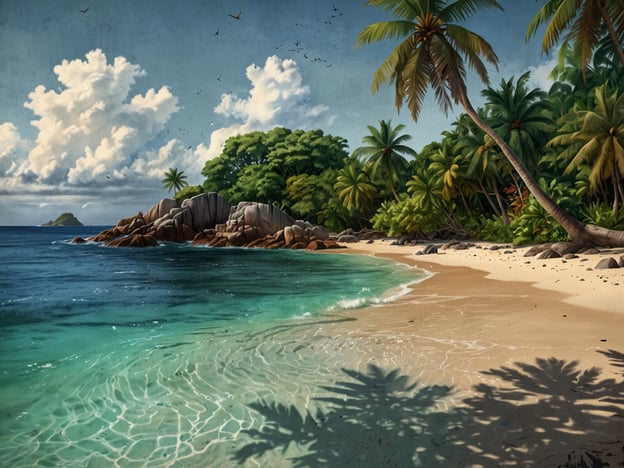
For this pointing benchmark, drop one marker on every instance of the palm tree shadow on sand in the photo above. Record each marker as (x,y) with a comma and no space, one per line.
(550,413)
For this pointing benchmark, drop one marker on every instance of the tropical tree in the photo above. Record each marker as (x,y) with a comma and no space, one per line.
(522,116)
(384,151)
(601,135)
(433,53)
(584,21)
(451,167)
(354,188)
(259,165)
(174,180)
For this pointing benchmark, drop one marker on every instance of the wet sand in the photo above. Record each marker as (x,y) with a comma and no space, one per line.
(532,350)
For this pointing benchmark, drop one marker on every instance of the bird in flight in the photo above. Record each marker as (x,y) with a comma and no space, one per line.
(236,17)
(216,33)
(84,11)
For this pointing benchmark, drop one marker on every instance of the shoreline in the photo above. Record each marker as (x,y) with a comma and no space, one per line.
(506,300)
(513,338)
(577,279)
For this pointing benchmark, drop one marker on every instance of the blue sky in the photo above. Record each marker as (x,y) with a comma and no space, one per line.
(96,105)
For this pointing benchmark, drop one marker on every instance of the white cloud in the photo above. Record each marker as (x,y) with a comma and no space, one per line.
(13,149)
(93,130)
(540,75)
(277,97)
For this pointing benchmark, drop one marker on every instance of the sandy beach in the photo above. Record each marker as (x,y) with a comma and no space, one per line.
(535,347)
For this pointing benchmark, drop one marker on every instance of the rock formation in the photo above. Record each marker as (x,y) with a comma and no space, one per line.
(208,219)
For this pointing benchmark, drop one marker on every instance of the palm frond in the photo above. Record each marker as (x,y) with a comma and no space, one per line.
(542,16)
(414,82)
(473,47)
(391,66)
(401,8)
(461,10)
(384,30)
(564,14)
(587,32)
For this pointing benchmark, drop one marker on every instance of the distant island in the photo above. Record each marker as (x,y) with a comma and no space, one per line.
(65,219)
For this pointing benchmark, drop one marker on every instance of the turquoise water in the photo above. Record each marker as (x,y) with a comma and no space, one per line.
(152,357)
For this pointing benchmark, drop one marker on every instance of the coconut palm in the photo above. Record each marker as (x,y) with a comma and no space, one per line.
(584,21)
(384,151)
(521,116)
(354,189)
(451,167)
(601,135)
(174,180)
(433,53)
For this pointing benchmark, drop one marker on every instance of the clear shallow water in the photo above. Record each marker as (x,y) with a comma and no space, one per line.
(153,356)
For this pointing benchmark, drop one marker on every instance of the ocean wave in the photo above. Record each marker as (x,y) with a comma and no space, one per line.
(388,297)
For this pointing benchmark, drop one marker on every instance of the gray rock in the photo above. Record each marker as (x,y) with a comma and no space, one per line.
(160,209)
(606,263)
(207,210)
(348,239)
(293,234)
(263,219)
(430,249)
(549,253)
(536,249)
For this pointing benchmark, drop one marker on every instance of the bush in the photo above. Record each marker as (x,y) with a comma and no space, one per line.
(406,218)
(488,229)
(602,214)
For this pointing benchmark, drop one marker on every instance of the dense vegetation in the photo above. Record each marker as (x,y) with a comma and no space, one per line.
(570,139)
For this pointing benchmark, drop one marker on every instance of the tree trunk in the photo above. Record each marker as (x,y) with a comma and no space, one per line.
(617,183)
(579,233)
(465,202)
(501,204)
(489,200)
(612,33)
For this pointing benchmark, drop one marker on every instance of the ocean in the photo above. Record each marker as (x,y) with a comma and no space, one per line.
(159,356)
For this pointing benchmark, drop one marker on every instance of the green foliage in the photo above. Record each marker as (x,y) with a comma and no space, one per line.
(335,216)
(188,192)
(405,218)
(384,152)
(174,180)
(293,169)
(602,214)
(488,229)
(535,226)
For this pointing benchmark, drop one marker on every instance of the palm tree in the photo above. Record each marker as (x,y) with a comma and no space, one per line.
(174,180)
(585,21)
(426,191)
(451,167)
(354,189)
(601,135)
(385,152)
(521,116)
(433,54)
(487,166)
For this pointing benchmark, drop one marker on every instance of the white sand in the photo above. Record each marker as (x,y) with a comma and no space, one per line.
(533,349)
(575,278)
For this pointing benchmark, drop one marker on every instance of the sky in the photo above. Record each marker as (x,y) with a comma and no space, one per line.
(98,98)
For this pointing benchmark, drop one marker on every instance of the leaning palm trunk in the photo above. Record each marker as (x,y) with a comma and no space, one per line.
(613,35)
(579,233)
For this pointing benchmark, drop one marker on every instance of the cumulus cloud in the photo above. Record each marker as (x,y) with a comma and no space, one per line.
(540,75)
(13,149)
(277,97)
(92,129)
